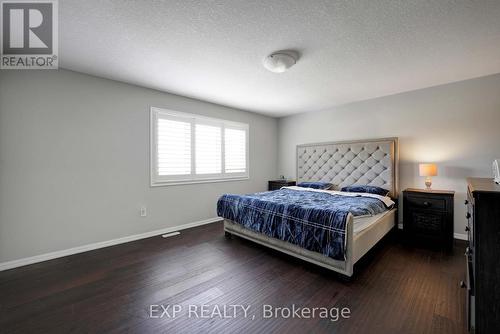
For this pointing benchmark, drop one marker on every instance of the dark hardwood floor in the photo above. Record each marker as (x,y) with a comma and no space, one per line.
(396,289)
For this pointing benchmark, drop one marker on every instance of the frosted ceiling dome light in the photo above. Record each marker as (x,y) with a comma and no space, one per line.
(280,61)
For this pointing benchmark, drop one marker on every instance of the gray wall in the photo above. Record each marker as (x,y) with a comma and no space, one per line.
(74,152)
(74,162)
(455,125)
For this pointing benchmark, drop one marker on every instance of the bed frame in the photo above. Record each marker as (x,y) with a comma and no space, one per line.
(371,162)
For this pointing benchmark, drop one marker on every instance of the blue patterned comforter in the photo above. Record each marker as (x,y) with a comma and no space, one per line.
(315,221)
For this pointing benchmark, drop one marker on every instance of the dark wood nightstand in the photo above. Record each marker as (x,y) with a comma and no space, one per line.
(428,217)
(277,184)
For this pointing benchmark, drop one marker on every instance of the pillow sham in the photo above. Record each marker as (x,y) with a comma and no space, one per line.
(315,185)
(366,189)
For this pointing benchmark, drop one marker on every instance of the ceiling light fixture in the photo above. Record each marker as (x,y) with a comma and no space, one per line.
(280,61)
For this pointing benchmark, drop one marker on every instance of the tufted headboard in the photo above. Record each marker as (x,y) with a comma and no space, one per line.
(364,162)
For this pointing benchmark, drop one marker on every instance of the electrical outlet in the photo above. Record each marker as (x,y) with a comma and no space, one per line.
(144,211)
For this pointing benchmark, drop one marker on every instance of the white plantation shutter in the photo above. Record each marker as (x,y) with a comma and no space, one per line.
(174,147)
(208,149)
(235,150)
(188,148)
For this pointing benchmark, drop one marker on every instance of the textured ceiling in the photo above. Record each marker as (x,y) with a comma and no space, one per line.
(213,50)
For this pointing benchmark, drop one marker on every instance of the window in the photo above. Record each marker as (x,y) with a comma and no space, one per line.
(188,148)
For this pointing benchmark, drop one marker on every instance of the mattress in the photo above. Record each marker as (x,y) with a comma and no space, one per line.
(310,218)
(363,222)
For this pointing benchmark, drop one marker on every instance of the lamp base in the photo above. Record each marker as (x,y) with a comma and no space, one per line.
(428,183)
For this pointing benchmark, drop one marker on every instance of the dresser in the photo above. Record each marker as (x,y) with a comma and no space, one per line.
(277,184)
(428,217)
(483,256)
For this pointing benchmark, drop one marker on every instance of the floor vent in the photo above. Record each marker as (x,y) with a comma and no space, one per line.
(170,234)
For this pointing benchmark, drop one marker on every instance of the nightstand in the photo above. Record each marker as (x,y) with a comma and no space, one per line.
(428,217)
(277,184)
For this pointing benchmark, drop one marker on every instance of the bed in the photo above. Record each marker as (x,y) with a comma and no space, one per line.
(331,229)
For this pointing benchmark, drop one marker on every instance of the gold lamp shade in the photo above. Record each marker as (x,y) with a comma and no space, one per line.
(427,170)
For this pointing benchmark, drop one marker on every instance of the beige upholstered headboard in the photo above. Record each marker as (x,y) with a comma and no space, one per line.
(365,162)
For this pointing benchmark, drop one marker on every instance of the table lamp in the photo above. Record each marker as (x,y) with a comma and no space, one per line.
(427,170)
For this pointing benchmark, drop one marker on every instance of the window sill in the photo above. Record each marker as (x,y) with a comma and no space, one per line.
(179,183)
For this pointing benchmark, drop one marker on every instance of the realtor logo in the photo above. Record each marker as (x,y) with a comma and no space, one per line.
(29,36)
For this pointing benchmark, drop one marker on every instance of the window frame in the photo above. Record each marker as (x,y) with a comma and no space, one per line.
(157,180)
